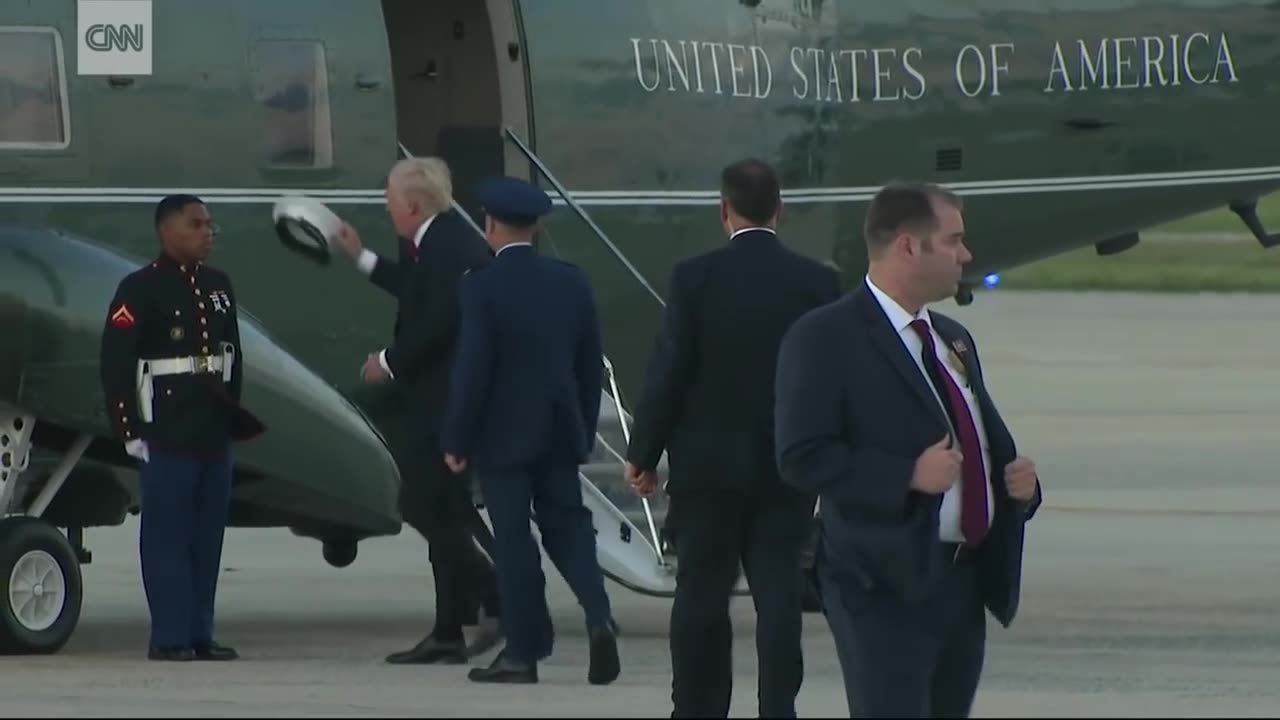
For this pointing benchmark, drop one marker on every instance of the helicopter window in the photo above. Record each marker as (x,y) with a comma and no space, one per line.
(291,81)
(33,99)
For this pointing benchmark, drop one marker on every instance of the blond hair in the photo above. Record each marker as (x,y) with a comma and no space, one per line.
(425,181)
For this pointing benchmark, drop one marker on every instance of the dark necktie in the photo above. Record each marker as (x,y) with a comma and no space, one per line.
(973,509)
(410,250)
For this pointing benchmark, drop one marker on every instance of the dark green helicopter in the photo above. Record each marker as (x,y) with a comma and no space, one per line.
(1064,123)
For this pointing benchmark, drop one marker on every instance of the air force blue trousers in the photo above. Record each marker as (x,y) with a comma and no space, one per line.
(555,497)
(185,503)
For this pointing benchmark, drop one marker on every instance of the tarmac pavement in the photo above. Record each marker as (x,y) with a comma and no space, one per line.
(1151,587)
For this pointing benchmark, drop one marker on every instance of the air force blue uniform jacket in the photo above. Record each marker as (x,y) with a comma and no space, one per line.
(527,377)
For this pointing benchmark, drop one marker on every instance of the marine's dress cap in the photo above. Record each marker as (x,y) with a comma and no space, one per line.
(513,201)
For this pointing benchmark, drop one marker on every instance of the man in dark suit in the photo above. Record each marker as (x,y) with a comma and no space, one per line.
(883,411)
(172,367)
(523,408)
(708,401)
(436,249)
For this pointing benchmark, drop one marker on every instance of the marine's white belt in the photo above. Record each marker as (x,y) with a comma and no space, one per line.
(185,365)
(149,368)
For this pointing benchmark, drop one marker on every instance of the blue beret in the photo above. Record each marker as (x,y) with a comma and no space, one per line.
(513,201)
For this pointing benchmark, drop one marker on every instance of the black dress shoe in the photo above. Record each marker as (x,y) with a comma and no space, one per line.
(431,651)
(213,651)
(505,670)
(171,654)
(605,665)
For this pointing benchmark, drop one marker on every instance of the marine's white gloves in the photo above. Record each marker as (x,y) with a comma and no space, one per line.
(138,448)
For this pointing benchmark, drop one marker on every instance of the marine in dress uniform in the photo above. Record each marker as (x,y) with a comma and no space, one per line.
(172,369)
(523,406)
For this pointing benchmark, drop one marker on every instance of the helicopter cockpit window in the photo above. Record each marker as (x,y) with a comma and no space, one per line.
(33,97)
(291,82)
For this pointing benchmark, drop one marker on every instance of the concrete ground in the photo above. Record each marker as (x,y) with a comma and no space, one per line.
(1152,585)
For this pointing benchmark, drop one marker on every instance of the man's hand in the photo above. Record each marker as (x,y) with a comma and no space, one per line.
(643,482)
(455,463)
(938,468)
(349,240)
(372,371)
(1020,479)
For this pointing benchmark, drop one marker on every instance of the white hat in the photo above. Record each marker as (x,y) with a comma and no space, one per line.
(306,226)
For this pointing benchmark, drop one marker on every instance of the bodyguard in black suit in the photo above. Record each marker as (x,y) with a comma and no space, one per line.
(882,409)
(708,401)
(523,408)
(436,249)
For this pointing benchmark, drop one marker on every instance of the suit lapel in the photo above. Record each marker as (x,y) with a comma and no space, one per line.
(887,341)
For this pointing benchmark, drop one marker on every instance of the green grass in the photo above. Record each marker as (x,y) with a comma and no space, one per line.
(1170,264)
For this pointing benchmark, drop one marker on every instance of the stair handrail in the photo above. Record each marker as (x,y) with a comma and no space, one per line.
(568,198)
(626,436)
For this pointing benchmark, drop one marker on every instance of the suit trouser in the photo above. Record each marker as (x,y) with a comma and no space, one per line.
(908,661)
(185,502)
(568,535)
(716,533)
(438,504)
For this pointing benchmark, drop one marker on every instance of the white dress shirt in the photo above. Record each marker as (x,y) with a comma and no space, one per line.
(368,260)
(739,231)
(900,319)
(514,244)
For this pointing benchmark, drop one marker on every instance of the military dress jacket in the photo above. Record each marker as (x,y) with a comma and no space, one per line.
(166,311)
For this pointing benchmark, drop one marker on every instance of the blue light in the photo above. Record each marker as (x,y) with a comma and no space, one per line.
(991,280)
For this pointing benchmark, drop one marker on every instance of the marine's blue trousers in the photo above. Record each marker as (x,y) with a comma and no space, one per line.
(185,501)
